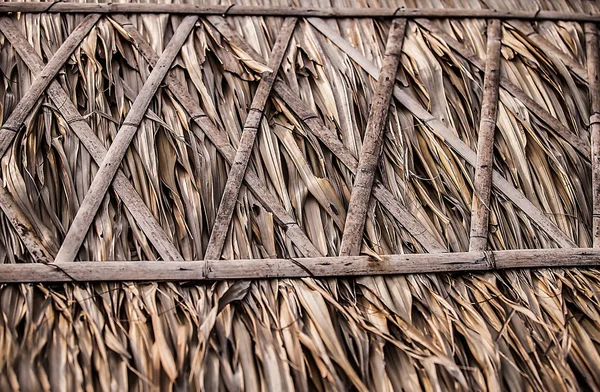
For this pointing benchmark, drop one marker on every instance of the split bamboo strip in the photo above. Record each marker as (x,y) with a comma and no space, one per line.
(116,152)
(23,228)
(40,84)
(329,139)
(316,267)
(368,160)
(593,69)
(554,125)
(244,151)
(482,184)
(92,143)
(256,186)
(233,10)
(434,124)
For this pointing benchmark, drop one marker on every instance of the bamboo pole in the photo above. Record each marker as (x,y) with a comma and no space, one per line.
(445,134)
(334,144)
(244,151)
(255,184)
(316,267)
(132,200)
(239,10)
(593,69)
(108,169)
(554,125)
(373,140)
(482,184)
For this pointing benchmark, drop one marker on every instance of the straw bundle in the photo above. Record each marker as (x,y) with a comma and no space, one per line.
(517,330)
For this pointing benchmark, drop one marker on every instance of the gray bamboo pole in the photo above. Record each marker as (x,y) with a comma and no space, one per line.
(116,152)
(244,151)
(445,134)
(139,211)
(593,69)
(482,187)
(255,184)
(317,267)
(371,148)
(330,140)
(233,10)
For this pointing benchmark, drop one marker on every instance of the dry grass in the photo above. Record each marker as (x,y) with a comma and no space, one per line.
(522,330)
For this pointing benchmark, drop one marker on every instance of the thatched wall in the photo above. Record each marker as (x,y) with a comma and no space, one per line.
(518,330)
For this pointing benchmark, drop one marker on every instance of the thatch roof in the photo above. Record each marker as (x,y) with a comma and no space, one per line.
(180,105)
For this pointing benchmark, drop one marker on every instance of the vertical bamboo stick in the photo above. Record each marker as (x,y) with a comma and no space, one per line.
(371,148)
(103,179)
(593,69)
(485,144)
(244,151)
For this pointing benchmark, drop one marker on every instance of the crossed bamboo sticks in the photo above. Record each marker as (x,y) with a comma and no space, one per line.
(365,183)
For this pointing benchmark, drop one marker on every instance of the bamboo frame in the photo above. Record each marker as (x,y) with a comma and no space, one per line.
(256,186)
(115,154)
(62,270)
(444,133)
(316,126)
(316,267)
(240,10)
(132,200)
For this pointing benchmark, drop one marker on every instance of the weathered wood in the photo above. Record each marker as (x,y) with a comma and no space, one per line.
(256,186)
(246,144)
(554,125)
(116,152)
(190,9)
(482,183)
(593,69)
(371,148)
(139,211)
(46,76)
(317,267)
(330,140)
(440,130)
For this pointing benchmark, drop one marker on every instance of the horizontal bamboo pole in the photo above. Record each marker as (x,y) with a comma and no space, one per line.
(401,12)
(91,271)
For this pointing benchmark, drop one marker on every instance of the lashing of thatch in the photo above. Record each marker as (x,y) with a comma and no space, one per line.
(228,156)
